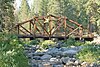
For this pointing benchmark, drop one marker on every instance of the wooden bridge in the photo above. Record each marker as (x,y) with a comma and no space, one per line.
(51,26)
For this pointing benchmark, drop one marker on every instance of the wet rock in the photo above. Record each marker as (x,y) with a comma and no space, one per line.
(46,57)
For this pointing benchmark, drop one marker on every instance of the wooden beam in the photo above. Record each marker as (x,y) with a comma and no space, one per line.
(74,22)
(42,27)
(26,29)
(73,31)
(57,27)
(25,22)
(22,31)
(38,30)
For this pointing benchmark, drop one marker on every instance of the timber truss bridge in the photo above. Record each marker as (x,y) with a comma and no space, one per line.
(51,26)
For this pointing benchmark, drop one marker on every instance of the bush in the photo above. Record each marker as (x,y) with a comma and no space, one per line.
(72,42)
(90,53)
(45,44)
(34,42)
(11,51)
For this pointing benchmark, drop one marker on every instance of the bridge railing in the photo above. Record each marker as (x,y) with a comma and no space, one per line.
(49,26)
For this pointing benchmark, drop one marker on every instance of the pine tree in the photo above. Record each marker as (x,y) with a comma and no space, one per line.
(6,14)
(24,11)
(44,7)
(54,7)
(36,7)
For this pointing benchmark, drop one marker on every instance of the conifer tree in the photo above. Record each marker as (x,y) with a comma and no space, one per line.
(54,7)
(44,7)
(6,14)
(24,11)
(36,7)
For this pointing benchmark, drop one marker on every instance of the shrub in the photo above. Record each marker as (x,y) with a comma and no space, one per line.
(90,53)
(34,42)
(72,42)
(45,44)
(11,51)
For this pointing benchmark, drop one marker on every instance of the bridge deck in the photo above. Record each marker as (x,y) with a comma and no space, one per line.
(58,37)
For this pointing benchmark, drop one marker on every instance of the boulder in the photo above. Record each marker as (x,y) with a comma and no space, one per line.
(40,65)
(46,57)
(69,53)
(37,57)
(38,54)
(54,59)
(58,65)
(64,60)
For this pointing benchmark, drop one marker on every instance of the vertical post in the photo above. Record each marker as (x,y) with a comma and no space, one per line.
(30,26)
(18,30)
(90,29)
(65,27)
(34,27)
(80,32)
(50,27)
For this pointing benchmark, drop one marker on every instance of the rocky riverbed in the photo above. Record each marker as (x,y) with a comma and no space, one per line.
(55,57)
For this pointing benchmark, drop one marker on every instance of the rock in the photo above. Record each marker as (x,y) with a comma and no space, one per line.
(33,61)
(84,64)
(40,65)
(69,63)
(47,65)
(64,60)
(34,65)
(38,54)
(52,50)
(46,57)
(54,59)
(77,62)
(30,55)
(36,57)
(69,53)
(63,49)
(58,65)
(94,65)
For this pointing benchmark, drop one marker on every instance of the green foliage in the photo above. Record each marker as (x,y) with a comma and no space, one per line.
(6,14)
(24,11)
(72,42)
(45,44)
(11,51)
(34,42)
(90,53)
(44,7)
(54,7)
(36,7)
